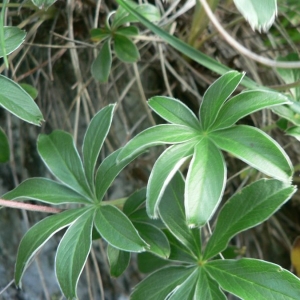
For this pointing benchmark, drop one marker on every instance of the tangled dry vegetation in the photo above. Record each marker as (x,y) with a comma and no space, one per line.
(56,59)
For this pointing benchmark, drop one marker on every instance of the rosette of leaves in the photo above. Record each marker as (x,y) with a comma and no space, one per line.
(194,270)
(120,35)
(202,141)
(81,183)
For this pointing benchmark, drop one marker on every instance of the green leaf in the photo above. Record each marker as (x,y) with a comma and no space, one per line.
(174,111)
(33,92)
(171,211)
(125,49)
(108,171)
(13,39)
(154,237)
(148,262)
(294,131)
(162,172)
(179,252)
(118,230)
(129,31)
(118,260)
(291,75)
(184,48)
(61,157)
(134,201)
(18,102)
(254,279)
(245,104)
(94,139)
(101,66)
(216,95)
(4,147)
(205,183)
(207,288)
(186,290)
(161,283)
(246,209)
(45,190)
(43,4)
(255,148)
(39,234)
(287,113)
(148,11)
(157,135)
(72,253)
(99,34)
(259,14)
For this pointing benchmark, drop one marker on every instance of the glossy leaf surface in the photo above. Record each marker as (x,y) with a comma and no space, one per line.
(61,157)
(45,190)
(72,253)
(125,49)
(245,104)
(163,170)
(172,213)
(246,209)
(216,95)
(13,39)
(254,279)
(174,111)
(259,14)
(255,148)
(155,238)
(205,183)
(38,235)
(118,260)
(164,281)
(94,139)
(101,66)
(118,230)
(18,102)
(157,135)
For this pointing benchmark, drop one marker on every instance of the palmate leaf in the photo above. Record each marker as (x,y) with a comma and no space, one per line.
(129,31)
(245,104)
(94,139)
(134,201)
(39,234)
(161,283)
(118,230)
(118,260)
(254,279)
(259,14)
(162,172)
(157,135)
(148,262)
(174,111)
(72,253)
(45,190)
(216,95)
(17,101)
(255,148)
(171,211)
(246,209)
(101,66)
(205,183)
(61,157)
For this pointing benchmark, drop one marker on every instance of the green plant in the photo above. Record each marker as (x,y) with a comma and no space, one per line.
(125,48)
(182,205)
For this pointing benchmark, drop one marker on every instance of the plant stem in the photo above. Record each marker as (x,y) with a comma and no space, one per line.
(31,207)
